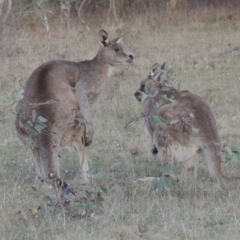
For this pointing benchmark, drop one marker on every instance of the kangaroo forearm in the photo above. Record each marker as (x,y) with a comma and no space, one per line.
(84,105)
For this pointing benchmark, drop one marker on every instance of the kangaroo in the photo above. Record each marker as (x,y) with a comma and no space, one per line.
(179,123)
(56,107)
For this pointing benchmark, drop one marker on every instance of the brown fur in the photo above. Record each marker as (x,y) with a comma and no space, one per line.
(62,92)
(189,129)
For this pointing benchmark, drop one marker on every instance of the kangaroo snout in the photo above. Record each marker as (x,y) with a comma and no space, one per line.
(130,58)
(138,96)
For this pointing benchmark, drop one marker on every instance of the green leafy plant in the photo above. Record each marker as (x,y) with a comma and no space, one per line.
(94,192)
(16,96)
(37,125)
(159,120)
(165,181)
(231,154)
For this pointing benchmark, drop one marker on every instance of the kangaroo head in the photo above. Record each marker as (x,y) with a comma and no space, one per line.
(152,83)
(112,51)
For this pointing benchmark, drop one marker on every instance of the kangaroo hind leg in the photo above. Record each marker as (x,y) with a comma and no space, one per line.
(46,156)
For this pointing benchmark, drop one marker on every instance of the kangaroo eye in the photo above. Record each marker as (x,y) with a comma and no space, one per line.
(116,49)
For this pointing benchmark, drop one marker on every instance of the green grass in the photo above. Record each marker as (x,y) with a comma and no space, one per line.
(202,62)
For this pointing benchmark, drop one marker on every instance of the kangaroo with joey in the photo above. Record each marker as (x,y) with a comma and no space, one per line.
(180,124)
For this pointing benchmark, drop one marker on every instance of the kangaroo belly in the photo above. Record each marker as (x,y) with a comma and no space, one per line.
(187,155)
(179,148)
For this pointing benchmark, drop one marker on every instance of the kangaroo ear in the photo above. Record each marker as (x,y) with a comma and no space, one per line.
(155,71)
(103,38)
(118,40)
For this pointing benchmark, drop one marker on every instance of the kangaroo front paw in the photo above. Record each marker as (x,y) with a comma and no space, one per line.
(87,141)
(88,135)
(154,150)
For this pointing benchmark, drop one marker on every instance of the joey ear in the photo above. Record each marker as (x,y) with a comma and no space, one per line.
(103,38)
(155,71)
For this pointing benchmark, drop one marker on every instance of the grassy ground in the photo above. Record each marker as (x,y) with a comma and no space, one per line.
(199,54)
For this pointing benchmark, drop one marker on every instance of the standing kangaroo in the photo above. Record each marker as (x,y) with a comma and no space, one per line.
(56,107)
(180,123)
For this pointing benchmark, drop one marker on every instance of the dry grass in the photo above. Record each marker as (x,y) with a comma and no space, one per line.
(202,61)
